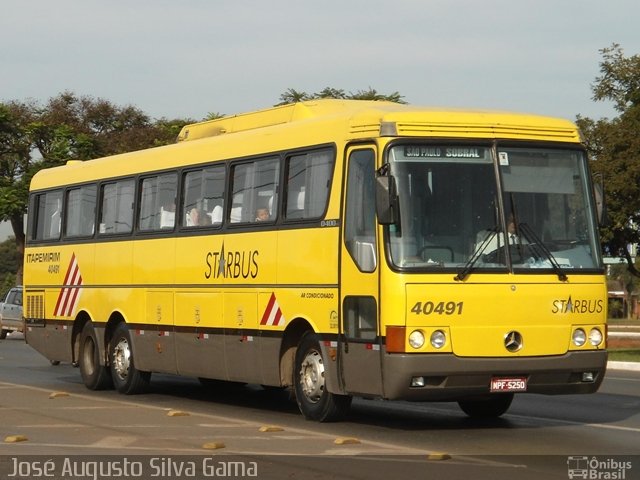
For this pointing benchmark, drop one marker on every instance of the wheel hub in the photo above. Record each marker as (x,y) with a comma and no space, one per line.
(312,376)
(122,358)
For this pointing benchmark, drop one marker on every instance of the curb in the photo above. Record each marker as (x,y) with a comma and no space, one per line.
(629,366)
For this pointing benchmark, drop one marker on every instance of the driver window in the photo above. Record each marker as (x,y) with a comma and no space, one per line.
(360,216)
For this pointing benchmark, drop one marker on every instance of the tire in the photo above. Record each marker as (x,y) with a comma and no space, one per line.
(3,334)
(487,407)
(94,375)
(126,377)
(314,400)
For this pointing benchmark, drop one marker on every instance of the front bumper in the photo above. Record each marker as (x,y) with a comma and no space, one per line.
(448,377)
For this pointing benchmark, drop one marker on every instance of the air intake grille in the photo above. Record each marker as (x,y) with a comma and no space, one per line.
(35,305)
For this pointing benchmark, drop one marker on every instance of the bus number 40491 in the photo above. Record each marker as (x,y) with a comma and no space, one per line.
(440,308)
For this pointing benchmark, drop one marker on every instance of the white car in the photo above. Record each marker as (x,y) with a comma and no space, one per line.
(11,313)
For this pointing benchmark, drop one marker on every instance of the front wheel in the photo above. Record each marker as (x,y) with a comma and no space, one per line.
(314,400)
(487,407)
(94,375)
(126,377)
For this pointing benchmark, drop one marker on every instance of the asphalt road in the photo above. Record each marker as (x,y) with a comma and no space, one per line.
(46,410)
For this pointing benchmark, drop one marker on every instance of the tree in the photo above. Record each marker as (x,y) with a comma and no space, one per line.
(292,96)
(16,167)
(614,146)
(67,127)
(9,262)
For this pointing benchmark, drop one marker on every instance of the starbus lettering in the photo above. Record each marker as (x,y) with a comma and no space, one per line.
(577,306)
(231,264)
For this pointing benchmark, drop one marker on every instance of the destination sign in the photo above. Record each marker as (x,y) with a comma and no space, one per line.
(422,151)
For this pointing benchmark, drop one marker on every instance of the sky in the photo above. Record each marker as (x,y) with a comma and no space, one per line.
(187,58)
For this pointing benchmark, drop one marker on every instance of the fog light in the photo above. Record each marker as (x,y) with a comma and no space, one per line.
(416,339)
(579,337)
(595,337)
(438,339)
(588,377)
(417,382)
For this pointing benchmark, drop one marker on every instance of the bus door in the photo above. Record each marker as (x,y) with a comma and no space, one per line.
(359,340)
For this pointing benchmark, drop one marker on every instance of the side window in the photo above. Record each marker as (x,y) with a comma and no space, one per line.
(308,184)
(14,297)
(80,214)
(158,202)
(360,217)
(203,197)
(48,215)
(360,318)
(254,191)
(116,214)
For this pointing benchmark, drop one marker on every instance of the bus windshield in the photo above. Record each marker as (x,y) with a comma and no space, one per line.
(456,213)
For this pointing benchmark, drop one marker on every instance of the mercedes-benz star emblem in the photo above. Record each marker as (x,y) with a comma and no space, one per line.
(513,341)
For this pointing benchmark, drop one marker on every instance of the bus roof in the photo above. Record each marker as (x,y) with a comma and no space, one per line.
(311,123)
(379,118)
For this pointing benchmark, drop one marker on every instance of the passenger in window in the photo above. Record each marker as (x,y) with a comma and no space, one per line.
(262,215)
(168,215)
(198,218)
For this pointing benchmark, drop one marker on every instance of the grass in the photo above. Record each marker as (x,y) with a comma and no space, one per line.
(632,355)
(623,321)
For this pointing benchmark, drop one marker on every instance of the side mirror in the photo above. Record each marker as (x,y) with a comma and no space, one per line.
(601,206)
(386,200)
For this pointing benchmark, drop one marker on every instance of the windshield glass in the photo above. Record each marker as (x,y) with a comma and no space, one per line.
(547,206)
(450,213)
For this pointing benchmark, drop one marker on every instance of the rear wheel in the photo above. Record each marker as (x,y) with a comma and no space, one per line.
(126,377)
(314,400)
(487,407)
(94,375)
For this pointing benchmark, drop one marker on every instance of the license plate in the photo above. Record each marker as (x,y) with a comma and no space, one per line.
(509,384)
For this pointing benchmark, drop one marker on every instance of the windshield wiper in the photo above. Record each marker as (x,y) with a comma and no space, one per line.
(537,245)
(466,270)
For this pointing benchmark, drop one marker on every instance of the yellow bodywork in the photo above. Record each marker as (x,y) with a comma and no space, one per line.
(178,280)
(477,316)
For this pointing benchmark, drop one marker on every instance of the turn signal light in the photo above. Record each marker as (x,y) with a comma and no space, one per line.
(396,339)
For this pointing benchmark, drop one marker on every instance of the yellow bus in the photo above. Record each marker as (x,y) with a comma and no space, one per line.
(339,248)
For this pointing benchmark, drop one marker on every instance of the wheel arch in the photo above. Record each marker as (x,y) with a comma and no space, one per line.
(81,319)
(291,336)
(115,319)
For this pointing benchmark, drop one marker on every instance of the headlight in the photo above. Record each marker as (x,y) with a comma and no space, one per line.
(416,339)
(438,339)
(595,337)
(579,337)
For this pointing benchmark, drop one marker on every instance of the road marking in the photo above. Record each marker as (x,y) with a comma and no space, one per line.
(612,427)
(378,447)
(78,446)
(114,442)
(622,379)
(572,423)
(89,407)
(54,425)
